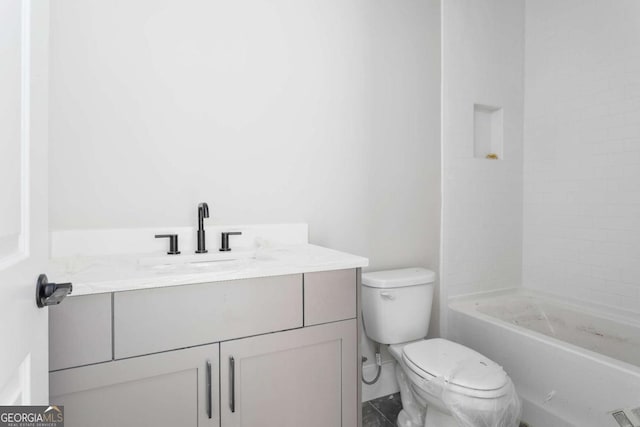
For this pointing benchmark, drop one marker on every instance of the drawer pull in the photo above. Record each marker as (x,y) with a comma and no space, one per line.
(209,397)
(232,384)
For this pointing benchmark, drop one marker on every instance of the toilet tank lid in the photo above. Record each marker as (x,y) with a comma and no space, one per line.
(398,278)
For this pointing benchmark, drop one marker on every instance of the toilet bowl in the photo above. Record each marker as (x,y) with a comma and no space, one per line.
(442,383)
(447,380)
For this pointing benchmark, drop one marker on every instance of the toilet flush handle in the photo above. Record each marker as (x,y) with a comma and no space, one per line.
(387,295)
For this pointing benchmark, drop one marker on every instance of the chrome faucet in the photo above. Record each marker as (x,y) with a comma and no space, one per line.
(203,212)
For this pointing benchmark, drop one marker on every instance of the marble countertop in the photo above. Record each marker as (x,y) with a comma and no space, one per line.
(115,273)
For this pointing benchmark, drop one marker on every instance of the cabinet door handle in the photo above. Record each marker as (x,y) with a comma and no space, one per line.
(232,384)
(209,397)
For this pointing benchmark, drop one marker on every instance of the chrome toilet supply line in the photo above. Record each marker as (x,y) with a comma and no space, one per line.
(378,363)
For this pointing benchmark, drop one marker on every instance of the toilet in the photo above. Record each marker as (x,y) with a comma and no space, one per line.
(442,383)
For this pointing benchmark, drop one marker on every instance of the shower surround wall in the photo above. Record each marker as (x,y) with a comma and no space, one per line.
(483,64)
(582,150)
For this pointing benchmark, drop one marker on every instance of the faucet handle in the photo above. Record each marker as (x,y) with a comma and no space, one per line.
(224,237)
(173,243)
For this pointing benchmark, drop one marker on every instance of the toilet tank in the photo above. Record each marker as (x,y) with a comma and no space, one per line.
(396,304)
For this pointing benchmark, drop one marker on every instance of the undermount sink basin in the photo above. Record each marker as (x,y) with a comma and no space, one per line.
(195,259)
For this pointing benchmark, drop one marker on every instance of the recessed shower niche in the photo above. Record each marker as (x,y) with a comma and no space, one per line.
(488,131)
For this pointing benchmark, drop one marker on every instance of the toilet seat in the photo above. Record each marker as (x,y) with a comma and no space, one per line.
(466,371)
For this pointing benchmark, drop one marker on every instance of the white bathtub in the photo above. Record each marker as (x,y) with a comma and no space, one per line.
(573,365)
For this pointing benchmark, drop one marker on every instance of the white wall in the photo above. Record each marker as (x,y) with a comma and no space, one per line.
(318,111)
(483,62)
(404,73)
(582,150)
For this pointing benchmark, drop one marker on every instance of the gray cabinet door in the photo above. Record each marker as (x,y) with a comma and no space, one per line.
(161,390)
(305,377)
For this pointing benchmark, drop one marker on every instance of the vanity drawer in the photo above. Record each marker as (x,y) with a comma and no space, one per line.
(329,296)
(153,320)
(80,331)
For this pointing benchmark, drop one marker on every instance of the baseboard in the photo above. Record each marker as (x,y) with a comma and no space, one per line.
(386,384)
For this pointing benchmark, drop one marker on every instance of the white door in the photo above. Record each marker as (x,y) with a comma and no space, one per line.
(23,200)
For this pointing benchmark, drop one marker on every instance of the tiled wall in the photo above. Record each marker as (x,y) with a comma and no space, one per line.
(483,61)
(582,150)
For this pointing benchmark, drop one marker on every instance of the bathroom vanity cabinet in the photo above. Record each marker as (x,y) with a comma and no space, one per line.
(272,351)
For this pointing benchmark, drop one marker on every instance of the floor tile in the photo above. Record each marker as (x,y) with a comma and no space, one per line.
(371,417)
(383,411)
(389,406)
